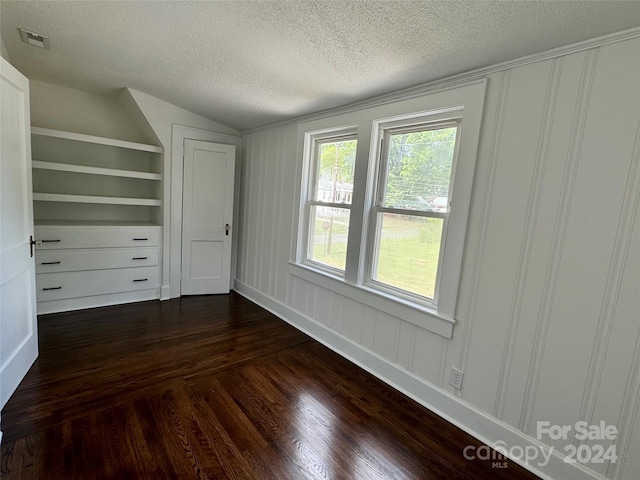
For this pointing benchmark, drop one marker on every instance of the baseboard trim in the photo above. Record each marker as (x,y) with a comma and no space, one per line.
(80,303)
(165,292)
(465,416)
(13,368)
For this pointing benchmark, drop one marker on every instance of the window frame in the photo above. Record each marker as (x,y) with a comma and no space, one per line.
(312,157)
(383,129)
(463,100)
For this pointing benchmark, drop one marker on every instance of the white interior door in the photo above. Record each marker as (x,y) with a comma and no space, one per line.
(18,327)
(207,213)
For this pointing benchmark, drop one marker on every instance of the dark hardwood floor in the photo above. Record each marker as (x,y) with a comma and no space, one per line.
(215,387)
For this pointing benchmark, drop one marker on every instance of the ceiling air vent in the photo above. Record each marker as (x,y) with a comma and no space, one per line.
(34,39)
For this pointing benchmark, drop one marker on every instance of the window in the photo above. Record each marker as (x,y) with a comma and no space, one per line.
(411,208)
(384,203)
(328,208)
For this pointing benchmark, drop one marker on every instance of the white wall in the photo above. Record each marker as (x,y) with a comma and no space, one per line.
(170,125)
(162,115)
(3,51)
(548,307)
(53,106)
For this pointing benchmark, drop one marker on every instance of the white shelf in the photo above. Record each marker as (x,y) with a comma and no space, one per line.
(93,223)
(66,167)
(57,197)
(80,137)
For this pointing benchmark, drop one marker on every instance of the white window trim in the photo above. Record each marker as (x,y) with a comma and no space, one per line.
(381,129)
(467,99)
(309,180)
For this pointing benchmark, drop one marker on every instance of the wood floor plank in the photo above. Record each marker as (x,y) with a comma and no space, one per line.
(138,458)
(211,442)
(255,449)
(317,428)
(258,402)
(385,439)
(391,412)
(215,387)
(322,416)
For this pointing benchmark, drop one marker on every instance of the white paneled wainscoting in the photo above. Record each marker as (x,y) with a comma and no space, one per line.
(547,316)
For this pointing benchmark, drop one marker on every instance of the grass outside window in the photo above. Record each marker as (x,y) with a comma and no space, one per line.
(408,252)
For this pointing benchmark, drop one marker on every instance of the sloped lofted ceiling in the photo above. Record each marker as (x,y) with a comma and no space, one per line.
(251,63)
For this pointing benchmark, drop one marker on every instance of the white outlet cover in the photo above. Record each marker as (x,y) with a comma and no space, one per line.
(455,378)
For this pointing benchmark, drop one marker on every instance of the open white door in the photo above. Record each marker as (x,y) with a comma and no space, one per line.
(207,213)
(18,327)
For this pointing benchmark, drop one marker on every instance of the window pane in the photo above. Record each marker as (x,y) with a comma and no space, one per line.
(328,236)
(419,169)
(336,162)
(408,251)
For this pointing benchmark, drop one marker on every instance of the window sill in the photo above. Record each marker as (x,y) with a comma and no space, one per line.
(416,314)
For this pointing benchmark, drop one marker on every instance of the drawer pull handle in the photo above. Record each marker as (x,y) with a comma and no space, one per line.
(140,279)
(52,288)
(50,241)
(140,239)
(139,258)
(50,263)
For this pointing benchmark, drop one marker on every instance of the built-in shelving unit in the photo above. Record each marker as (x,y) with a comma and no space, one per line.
(79,178)
(98,216)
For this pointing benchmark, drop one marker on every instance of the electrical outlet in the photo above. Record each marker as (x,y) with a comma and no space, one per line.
(455,378)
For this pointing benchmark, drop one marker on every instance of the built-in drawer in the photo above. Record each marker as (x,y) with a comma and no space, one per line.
(55,237)
(50,261)
(56,286)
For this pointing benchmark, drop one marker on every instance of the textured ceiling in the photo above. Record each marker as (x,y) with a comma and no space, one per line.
(247,64)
